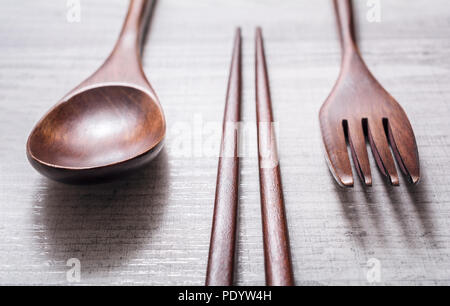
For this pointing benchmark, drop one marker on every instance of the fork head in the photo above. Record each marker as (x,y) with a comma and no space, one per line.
(360,109)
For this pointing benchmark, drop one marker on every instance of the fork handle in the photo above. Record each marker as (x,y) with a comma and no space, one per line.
(344,14)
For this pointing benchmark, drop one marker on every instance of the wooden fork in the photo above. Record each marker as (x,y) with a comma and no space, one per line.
(359,107)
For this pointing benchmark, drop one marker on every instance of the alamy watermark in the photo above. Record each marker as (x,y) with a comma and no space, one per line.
(373,271)
(202,139)
(374,12)
(73,11)
(73,275)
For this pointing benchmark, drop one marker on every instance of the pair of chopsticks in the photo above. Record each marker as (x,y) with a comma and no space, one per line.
(278,267)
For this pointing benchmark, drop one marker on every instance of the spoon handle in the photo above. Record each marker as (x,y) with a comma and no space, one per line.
(124,64)
(277,257)
(133,29)
(223,234)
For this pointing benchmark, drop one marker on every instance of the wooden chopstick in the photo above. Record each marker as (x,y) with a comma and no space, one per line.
(277,256)
(223,234)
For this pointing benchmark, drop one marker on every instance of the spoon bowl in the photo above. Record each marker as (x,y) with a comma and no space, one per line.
(101,131)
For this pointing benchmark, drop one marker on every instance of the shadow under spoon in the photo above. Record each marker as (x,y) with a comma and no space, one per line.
(111,123)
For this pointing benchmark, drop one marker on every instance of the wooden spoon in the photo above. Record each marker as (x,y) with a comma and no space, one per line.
(110,124)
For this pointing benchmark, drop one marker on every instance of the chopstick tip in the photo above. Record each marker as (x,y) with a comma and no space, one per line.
(238,33)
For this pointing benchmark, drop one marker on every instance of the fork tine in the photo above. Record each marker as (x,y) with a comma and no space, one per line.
(381,152)
(336,152)
(403,143)
(358,146)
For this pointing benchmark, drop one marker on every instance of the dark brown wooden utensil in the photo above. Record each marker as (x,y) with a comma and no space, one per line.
(223,235)
(111,123)
(275,232)
(360,107)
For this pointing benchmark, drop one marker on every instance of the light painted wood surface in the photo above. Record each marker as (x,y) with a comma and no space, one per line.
(153,228)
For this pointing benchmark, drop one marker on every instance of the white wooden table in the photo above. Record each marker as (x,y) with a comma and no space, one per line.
(153,227)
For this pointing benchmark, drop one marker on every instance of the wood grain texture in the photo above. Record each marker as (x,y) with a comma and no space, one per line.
(109,125)
(277,257)
(222,248)
(360,110)
(154,228)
